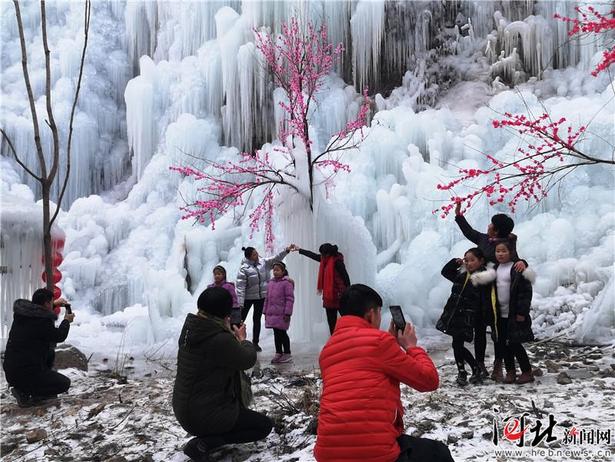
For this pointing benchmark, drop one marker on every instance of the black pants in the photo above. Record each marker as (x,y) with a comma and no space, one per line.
(331,319)
(480,342)
(44,383)
(282,341)
(250,426)
(509,351)
(462,354)
(256,316)
(422,449)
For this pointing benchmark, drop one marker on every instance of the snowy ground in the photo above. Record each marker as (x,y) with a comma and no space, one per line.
(108,418)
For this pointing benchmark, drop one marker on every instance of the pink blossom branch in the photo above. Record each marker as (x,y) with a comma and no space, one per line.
(593,22)
(525,181)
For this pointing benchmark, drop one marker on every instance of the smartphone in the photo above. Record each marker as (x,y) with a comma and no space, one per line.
(398,317)
(68,308)
(236,317)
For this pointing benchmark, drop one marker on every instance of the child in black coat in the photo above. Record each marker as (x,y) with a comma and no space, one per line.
(514,325)
(469,298)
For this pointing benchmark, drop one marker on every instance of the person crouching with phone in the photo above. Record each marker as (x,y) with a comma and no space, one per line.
(465,307)
(211,393)
(28,357)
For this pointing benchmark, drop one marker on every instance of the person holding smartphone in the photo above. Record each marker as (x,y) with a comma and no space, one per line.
(211,393)
(30,348)
(361,414)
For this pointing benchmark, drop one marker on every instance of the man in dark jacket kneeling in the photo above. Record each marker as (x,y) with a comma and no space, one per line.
(29,349)
(211,393)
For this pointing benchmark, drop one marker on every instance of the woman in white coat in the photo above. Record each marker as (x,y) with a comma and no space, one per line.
(251,284)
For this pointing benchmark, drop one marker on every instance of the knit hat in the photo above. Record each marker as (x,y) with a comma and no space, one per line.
(215,301)
(503,224)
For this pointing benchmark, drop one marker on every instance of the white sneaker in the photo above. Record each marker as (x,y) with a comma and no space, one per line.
(285,358)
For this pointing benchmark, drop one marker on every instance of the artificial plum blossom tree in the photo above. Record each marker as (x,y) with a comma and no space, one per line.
(550,148)
(299,59)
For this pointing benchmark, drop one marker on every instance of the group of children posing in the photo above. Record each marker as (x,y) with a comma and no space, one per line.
(491,287)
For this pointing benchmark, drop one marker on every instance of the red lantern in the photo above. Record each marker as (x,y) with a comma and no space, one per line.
(56,276)
(57,310)
(57,244)
(56,259)
(57,293)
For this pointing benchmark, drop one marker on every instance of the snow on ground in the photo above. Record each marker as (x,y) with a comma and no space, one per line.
(108,417)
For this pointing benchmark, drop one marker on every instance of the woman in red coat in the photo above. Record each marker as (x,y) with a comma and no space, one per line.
(333,278)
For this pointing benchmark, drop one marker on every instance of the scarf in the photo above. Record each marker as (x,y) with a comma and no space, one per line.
(326,276)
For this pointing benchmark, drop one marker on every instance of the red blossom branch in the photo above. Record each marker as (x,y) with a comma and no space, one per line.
(593,22)
(551,149)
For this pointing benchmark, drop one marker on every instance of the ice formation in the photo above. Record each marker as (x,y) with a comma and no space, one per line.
(170,83)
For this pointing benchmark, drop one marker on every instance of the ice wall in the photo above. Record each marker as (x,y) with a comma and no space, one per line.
(198,87)
(99,152)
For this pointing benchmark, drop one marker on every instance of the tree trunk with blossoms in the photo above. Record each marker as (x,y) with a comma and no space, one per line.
(299,60)
(294,174)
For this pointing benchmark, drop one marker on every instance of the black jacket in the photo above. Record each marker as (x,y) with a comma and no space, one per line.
(32,336)
(339,265)
(207,390)
(469,301)
(520,303)
(483,241)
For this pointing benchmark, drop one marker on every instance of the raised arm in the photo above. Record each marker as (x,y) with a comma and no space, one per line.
(469,232)
(269,261)
(312,255)
(451,269)
(55,334)
(232,353)
(412,367)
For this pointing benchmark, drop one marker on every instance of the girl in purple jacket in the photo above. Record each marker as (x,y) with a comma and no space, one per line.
(278,309)
(220,281)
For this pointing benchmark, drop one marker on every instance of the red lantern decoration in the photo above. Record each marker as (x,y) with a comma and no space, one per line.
(56,259)
(57,310)
(57,292)
(57,244)
(56,276)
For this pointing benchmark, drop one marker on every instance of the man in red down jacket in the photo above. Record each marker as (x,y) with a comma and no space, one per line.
(362,366)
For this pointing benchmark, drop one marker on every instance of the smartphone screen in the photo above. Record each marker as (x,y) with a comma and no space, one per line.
(398,317)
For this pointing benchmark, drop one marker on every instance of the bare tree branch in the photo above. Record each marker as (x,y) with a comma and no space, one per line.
(86,30)
(51,122)
(31,100)
(12,148)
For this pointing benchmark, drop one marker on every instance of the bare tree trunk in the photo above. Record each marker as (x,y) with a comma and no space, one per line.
(46,177)
(47,250)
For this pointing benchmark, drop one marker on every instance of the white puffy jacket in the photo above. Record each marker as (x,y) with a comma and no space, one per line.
(251,282)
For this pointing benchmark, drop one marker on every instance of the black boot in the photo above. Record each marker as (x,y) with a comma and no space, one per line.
(23,398)
(462,378)
(197,450)
(476,378)
(484,373)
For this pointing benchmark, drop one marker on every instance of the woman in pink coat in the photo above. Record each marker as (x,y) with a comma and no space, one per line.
(278,310)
